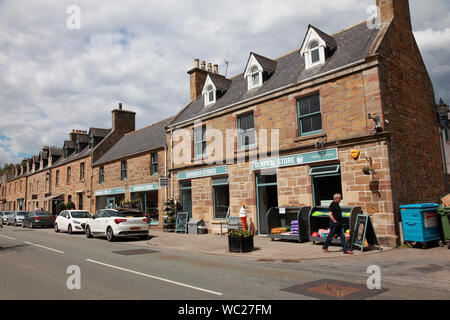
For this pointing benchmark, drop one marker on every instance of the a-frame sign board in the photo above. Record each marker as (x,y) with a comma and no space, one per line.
(364,230)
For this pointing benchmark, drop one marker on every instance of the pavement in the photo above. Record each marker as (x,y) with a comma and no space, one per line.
(34,265)
(265,249)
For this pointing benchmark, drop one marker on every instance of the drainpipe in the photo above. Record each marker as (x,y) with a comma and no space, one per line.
(171,162)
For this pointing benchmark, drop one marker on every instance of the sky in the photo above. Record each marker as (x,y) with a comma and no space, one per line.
(55,78)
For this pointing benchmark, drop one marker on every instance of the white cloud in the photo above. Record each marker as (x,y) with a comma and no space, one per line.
(138,52)
(432,40)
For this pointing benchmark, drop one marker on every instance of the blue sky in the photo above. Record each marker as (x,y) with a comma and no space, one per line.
(138,52)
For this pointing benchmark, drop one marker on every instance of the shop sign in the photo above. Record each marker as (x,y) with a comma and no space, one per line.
(163,182)
(144,187)
(295,160)
(109,192)
(201,173)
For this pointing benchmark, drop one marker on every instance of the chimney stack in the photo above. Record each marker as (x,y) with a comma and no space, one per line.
(123,121)
(216,69)
(398,9)
(197,79)
(209,67)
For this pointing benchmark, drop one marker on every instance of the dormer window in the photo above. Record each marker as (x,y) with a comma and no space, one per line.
(317,47)
(210,95)
(259,69)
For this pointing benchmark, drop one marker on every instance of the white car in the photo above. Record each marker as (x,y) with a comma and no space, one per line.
(72,221)
(118,223)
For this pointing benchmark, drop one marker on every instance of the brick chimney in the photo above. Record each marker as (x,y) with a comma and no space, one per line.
(123,121)
(395,9)
(198,77)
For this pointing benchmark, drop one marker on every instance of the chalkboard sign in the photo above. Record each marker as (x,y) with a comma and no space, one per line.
(182,222)
(364,230)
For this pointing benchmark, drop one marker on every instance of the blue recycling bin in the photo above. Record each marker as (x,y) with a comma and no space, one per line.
(421,222)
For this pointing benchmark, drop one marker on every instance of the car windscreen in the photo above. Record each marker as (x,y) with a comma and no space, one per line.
(22,214)
(134,214)
(81,214)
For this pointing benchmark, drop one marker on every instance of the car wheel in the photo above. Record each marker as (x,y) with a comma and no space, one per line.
(23,224)
(88,232)
(15,223)
(56,228)
(69,229)
(110,234)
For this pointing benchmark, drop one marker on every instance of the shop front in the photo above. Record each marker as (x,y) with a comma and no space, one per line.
(279,182)
(145,198)
(110,198)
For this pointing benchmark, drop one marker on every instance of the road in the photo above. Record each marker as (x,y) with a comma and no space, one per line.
(33,265)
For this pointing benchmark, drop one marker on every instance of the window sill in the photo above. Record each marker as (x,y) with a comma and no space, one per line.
(310,137)
(245,149)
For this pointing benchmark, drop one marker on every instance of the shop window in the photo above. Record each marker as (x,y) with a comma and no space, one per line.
(326,182)
(101,175)
(124,169)
(309,115)
(147,202)
(199,141)
(221,196)
(154,164)
(82,166)
(316,171)
(246,125)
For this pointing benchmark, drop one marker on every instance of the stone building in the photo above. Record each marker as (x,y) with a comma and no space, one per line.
(4,178)
(128,173)
(351,112)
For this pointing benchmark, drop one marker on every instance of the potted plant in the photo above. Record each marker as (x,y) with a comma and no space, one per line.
(61,207)
(240,241)
(368,170)
(70,205)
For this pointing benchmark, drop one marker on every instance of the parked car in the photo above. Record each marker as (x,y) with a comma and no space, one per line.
(38,219)
(71,221)
(118,223)
(17,217)
(5,216)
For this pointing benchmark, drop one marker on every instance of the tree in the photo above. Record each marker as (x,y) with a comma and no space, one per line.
(61,207)
(70,205)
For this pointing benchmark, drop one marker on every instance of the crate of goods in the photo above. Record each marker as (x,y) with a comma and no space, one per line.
(288,223)
(170,216)
(421,222)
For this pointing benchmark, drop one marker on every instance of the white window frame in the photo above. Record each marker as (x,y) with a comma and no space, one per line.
(209,88)
(307,51)
(253,68)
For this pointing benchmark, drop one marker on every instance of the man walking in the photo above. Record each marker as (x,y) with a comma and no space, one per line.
(336,226)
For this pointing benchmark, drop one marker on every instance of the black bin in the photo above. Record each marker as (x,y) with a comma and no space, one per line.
(277,220)
(319,219)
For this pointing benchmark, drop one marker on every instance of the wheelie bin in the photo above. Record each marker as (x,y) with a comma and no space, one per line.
(444,212)
(421,223)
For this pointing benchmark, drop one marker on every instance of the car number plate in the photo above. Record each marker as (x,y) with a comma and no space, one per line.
(135,228)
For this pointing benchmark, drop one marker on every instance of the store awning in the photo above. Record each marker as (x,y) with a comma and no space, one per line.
(52,197)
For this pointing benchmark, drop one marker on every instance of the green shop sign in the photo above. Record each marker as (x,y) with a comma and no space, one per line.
(295,160)
(201,173)
(144,187)
(109,192)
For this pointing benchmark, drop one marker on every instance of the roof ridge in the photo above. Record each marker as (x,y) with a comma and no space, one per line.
(348,28)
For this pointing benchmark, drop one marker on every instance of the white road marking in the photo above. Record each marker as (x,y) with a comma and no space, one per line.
(39,246)
(157,278)
(7,237)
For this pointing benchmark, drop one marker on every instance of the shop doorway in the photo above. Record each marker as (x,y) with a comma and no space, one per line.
(111,202)
(326,182)
(266,198)
(186,197)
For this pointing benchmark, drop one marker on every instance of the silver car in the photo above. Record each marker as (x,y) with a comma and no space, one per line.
(5,216)
(17,217)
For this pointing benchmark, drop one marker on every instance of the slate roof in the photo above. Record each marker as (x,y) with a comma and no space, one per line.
(82,138)
(329,40)
(99,132)
(68,144)
(352,44)
(56,151)
(220,82)
(266,63)
(146,139)
(73,157)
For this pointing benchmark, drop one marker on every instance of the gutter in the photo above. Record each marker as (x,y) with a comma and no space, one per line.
(171,126)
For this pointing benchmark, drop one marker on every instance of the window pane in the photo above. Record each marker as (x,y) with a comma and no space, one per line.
(306,125)
(315,57)
(304,107)
(221,201)
(255,78)
(211,96)
(250,121)
(204,133)
(317,122)
(197,134)
(314,103)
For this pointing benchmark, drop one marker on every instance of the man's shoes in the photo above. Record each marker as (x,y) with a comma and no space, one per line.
(348,252)
(325,250)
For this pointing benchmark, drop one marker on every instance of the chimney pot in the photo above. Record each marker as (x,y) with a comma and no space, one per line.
(216,69)
(203,65)
(120,106)
(196,63)
(209,67)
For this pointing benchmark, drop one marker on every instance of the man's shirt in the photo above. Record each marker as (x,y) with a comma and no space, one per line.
(335,208)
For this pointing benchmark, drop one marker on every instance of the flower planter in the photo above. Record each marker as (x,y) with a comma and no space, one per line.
(240,244)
